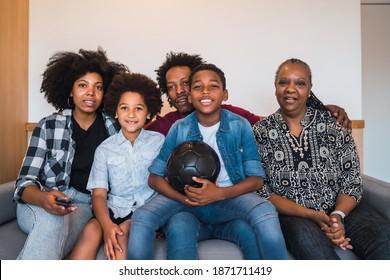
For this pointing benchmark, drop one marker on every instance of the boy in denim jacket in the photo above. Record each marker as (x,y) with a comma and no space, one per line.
(232,196)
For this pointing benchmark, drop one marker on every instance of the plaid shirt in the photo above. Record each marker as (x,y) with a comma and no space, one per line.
(48,160)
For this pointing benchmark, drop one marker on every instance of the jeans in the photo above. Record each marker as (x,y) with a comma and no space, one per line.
(256,211)
(183,231)
(52,237)
(369,233)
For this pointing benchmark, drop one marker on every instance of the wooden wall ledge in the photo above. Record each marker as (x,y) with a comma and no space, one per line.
(355,124)
(30,126)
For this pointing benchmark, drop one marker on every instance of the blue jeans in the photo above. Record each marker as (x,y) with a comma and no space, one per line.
(183,231)
(369,233)
(255,210)
(52,237)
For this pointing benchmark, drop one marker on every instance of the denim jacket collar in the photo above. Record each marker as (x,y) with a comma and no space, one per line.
(194,126)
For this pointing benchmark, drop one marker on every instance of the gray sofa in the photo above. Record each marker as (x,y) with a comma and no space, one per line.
(377,193)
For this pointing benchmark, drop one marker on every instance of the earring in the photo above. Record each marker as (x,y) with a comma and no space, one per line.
(70,101)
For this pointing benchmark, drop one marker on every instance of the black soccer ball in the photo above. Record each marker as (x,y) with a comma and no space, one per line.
(192,158)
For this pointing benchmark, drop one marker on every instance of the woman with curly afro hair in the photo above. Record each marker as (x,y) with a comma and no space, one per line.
(60,153)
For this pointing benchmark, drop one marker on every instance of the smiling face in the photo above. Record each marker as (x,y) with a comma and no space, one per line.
(131,113)
(87,93)
(292,88)
(179,88)
(207,95)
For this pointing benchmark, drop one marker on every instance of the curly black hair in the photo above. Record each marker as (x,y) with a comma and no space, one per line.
(174,59)
(134,82)
(64,68)
(211,67)
(312,100)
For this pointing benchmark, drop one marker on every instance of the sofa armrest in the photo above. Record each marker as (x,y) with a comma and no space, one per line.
(8,208)
(377,194)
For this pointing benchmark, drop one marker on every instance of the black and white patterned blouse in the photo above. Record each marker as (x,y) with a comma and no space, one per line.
(312,169)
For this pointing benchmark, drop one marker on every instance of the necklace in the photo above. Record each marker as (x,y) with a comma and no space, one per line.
(297,145)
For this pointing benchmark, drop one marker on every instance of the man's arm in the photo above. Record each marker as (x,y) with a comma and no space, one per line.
(341,115)
(252,118)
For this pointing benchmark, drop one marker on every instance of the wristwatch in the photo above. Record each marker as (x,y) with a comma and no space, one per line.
(340,213)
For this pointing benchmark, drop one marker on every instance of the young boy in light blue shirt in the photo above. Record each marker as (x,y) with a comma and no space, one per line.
(232,196)
(119,175)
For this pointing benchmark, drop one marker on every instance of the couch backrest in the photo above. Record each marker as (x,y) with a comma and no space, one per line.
(7,206)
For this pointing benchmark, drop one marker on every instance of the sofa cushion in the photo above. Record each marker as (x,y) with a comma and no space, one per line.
(377,194)
(12,240)
(8,208)
(212,249)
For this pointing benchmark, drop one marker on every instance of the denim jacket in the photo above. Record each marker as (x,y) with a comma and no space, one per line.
(235,141)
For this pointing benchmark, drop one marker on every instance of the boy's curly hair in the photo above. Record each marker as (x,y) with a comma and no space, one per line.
(64,68)
(133,82)
(174,59)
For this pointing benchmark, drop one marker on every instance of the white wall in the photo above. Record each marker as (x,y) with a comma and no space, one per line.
(376,90)
(248,39)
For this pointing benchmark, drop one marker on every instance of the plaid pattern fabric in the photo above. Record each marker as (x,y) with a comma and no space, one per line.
(48,160)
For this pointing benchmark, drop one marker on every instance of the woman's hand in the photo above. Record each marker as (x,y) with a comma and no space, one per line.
(47,202)
(332,227)
(336,233)
(320,218)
